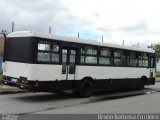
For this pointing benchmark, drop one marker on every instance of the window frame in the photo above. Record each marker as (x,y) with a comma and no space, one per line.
(102,56)
(130,58)
(98,56)
(121,57)
(51,43)
(88,55)
(143,59)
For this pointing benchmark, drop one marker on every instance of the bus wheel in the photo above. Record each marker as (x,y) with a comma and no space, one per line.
(86,88)
(141,85)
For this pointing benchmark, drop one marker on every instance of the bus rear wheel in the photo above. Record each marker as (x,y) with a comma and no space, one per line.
(141,85)
(85,89)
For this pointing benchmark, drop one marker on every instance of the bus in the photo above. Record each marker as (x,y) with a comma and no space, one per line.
(41,62)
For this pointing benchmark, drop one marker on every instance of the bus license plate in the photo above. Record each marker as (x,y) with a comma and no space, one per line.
(14,80)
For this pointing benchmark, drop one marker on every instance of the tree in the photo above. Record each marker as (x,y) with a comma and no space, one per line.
(156,47)
(4,32)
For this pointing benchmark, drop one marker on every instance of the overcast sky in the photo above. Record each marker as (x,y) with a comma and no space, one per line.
(130,20)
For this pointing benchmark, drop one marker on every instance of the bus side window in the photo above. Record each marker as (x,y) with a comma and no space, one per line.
(152,61)
(44,45)
(120,57)
(143,59)
(48,51)
(133,60)
(54,52)
(89,55)
(43,57)
(43,54)
(105,56)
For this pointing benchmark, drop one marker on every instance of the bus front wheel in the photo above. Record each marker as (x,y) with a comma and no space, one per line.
(85,89)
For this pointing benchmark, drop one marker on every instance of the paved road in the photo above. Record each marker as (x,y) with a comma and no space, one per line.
(101,102)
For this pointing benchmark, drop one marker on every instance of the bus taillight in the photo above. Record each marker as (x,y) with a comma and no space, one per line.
(36,83)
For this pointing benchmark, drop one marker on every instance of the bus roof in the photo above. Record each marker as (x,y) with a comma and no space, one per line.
(75,40)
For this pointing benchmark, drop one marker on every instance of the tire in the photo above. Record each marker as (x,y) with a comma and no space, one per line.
(85,89)
(140,85)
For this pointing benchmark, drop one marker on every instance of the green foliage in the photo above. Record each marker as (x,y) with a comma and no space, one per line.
(157,74)
(156,47)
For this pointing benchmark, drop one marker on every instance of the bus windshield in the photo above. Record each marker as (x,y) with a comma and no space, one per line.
(18,49)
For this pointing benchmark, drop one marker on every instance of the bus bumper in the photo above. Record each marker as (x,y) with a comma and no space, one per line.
(150,81)
(19,85)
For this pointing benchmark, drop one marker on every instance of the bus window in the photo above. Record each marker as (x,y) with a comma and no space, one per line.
(43,57)
(44,45)
(55,57)
(72,60)
(117,61)
(89,59)
(105,61)
(152,61)
(89,50)
(117,53)
(105,56)
(48,51)
(105,52)
(146,60)
(55,47)
(64,61)
(19,49)
(133,60)
(89,55)
(54,52)
(64,55)
(143,59)
(72,56)
(120,57)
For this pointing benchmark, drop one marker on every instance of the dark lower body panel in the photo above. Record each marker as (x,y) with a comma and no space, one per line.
(56,86)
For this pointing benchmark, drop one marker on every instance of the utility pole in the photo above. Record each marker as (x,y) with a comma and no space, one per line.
(123,42)
(13,26)
(102,38)
(50,30)
(78,34)
(138,45)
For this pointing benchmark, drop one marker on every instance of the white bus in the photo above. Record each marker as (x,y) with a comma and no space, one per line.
(46,63)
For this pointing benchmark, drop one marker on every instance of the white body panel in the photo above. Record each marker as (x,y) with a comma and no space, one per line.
(106,72)
(45,72)
(40,72)
(14,69)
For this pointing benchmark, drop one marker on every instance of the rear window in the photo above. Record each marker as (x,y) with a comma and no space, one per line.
(18,49)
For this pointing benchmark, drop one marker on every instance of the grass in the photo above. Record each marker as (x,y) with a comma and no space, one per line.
(157,74)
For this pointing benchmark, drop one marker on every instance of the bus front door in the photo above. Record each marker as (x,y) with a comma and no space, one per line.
(152,69)
(68,63)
